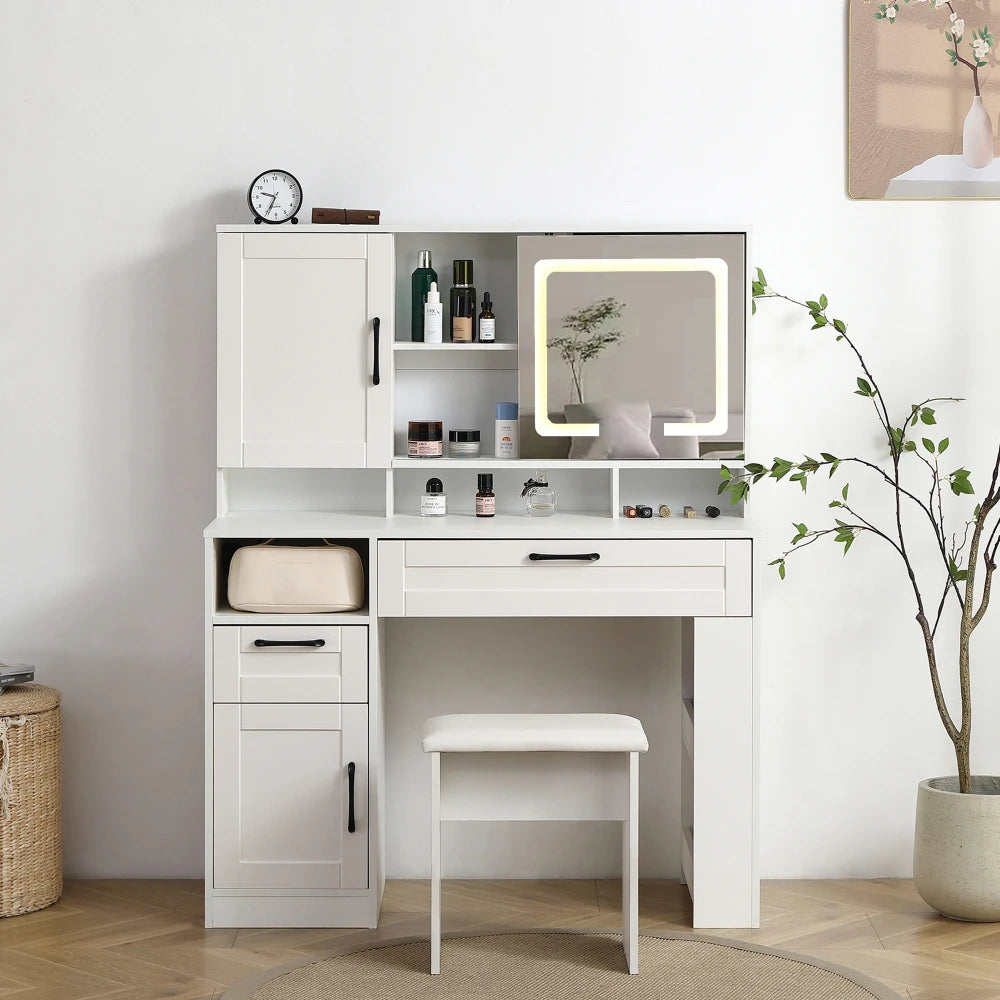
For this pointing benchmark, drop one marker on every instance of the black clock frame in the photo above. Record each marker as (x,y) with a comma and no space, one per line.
(258,219)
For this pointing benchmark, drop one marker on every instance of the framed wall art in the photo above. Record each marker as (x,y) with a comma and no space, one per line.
(924,99)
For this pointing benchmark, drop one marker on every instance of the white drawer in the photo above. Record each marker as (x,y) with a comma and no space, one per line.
(531,577)
(292,664)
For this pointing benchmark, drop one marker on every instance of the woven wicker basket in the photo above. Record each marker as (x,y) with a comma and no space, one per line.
(31,816)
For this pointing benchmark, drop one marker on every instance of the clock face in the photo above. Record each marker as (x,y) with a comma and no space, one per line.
(275,196)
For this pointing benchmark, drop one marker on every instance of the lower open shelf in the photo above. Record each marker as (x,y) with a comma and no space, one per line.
(227,616)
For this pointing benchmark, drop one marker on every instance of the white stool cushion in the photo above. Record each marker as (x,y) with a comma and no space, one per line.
(506,733)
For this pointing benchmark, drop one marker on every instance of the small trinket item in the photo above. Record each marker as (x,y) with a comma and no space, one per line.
(629,511)
(689,511)
(643,511)
(713,511)
(664,510)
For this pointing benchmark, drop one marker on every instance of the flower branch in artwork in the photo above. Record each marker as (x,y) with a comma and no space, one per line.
(980,44)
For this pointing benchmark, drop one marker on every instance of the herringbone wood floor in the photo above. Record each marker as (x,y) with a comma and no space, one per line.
(140,940)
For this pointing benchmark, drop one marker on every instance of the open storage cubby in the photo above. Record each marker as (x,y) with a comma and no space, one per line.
(223,614)
(579,490)
(458,384)
(653,485)
(359,491)
(494,259)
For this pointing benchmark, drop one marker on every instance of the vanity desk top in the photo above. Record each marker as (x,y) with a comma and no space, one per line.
(322,524)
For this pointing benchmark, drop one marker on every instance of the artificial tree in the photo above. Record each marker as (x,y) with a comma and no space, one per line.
(587,338)
(960,558)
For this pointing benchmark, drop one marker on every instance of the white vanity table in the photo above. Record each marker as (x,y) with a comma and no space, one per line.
(309,448)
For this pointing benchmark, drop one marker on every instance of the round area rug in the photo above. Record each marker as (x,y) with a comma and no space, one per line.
(562,965)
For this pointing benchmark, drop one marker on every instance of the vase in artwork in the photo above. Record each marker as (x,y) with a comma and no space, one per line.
(977,137)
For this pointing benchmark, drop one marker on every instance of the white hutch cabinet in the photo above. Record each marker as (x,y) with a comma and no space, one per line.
(317,377)
(300,381)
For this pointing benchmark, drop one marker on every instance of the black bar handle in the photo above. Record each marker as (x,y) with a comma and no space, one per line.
(554,557)
(376,323)
(315,643)
(350,797)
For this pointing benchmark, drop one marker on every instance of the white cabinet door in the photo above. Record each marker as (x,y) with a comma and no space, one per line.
(291,796)
(300,382)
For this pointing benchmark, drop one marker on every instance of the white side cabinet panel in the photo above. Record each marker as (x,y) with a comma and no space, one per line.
(297,364)
(283,796)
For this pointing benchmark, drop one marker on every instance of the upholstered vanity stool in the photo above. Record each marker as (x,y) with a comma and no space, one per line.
(582,767)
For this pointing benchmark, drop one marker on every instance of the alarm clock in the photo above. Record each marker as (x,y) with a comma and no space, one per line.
(274,196)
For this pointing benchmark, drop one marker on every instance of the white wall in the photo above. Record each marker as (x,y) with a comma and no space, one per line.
(131,129)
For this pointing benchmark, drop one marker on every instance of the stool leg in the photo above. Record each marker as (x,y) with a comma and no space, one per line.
(630,869)
(435,863)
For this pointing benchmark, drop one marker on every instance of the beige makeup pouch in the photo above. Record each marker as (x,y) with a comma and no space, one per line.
(296,579)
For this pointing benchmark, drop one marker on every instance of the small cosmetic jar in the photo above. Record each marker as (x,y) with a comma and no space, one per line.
(463,444)
(424,439)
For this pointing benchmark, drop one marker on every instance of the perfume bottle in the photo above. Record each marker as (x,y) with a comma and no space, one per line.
(420,285)
(539,498)
(463,303)
(433,502)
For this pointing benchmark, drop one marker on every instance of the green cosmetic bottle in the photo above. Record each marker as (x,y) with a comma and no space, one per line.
(420,285)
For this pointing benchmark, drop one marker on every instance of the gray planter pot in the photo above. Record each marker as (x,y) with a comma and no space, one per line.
(956,847)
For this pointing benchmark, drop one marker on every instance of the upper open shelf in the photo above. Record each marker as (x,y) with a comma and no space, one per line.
(420,348)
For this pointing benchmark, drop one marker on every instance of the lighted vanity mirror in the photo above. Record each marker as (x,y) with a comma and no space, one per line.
(632,346)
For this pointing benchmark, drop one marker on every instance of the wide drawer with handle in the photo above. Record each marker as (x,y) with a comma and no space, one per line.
(294,664)
(584,577)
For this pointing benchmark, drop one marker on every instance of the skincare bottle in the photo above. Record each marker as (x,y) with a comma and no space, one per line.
(433,502)
(486,500)
(506,430)
(463,303)
(487,321)
(432,316)
(420,285)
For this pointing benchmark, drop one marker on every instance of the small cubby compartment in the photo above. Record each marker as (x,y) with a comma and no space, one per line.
(582,491)
(221,557)
(356,491)
(461,400)
(494,263)
(676,487)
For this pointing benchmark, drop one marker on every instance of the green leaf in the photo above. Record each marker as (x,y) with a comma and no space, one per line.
(824,301)
(910,446)
(813,306)
(943,445)
(725,473)
(827,457)
(927,415)
(866,389)
(928,444)
(840,326)
(781,569)
(843,492)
